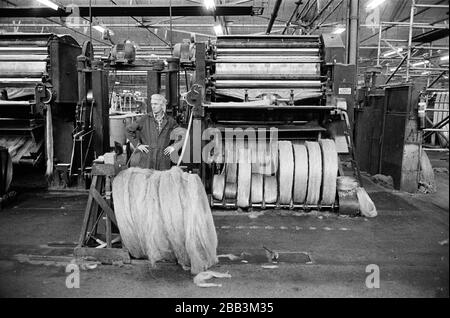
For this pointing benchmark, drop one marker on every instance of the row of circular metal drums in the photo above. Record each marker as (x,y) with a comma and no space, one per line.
(306,173)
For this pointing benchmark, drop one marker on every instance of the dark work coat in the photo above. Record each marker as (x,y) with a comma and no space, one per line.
(145,131)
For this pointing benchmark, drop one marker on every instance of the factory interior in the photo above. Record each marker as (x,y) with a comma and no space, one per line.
(224,149)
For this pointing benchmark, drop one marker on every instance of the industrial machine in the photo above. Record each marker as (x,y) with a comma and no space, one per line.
(90,134)
(297,88)
(38,81)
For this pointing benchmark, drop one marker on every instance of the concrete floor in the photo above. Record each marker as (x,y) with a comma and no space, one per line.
(321,254)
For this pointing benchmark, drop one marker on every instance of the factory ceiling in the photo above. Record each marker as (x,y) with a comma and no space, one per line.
(152,23)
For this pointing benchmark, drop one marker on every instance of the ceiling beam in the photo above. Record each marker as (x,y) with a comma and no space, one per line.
(121,11)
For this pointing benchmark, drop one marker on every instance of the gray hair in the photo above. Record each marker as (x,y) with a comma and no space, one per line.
(162,99)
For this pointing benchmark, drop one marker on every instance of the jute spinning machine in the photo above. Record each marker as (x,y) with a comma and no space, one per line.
(38,80)
(298,85)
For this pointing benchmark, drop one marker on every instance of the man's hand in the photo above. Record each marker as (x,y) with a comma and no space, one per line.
(169,150)
(143,148)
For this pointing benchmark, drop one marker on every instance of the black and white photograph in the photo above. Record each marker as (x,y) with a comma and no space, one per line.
(224,156)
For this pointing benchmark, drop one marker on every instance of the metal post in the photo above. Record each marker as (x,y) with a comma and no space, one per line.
(411,21)
(380,31)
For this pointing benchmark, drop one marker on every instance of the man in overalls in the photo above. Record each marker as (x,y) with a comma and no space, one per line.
(151,137)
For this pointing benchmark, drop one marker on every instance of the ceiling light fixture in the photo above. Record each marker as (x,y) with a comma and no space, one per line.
(218,29)
(420,63)
(339,30)
(49,4)
(209,4)
(373,4)
(99,28)
(387,54)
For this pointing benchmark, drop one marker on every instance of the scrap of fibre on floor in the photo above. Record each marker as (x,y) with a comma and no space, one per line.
(165,215)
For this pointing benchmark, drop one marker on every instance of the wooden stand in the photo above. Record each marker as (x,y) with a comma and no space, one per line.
(99,205)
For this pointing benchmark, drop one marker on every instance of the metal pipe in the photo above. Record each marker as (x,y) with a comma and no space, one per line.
(352,50)
(436,79)
(321,12)
(268,59)
(299,77)
(328,15)
(273,16)
(396,69)
(297,5)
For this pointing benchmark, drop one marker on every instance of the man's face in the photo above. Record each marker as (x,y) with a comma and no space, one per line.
(157,105)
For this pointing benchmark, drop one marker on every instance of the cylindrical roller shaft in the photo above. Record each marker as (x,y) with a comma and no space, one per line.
(269,68)
(267,59)
(22,69)
(286,171)
(314,172)
(300,173)
(267,51)
(289,77)
(23,57)
(330,170)
(266,84)
(269,45)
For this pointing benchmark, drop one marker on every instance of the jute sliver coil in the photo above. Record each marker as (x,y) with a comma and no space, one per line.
(286,171)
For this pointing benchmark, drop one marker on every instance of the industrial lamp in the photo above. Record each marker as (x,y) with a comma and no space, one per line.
(209,4)
(373,4)
(49,4)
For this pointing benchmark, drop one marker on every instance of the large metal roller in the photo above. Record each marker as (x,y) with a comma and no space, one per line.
(267,84)
(281,77)
(267,59)
(22,69)
(269,68)
(267,51)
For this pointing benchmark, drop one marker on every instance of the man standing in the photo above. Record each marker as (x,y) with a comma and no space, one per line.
(151,137)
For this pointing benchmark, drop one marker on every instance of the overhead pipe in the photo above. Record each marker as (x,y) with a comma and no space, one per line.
(297,5)
(321,12)
(276,8)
